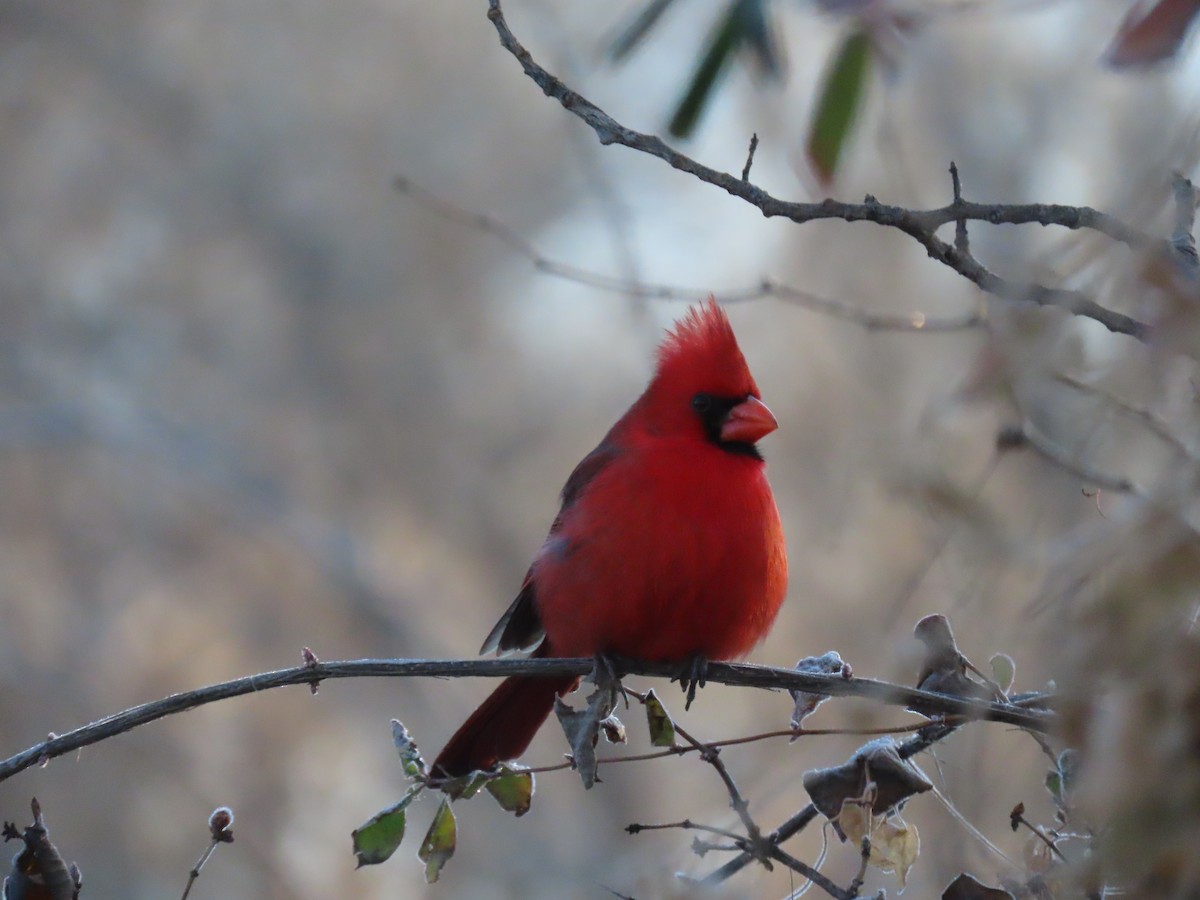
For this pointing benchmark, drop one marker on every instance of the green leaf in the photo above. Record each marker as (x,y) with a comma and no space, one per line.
(439,843)
(724,41)
(1054,786)
(378,838)
(840,97)
(1068,765)
(513,790)
(1060,780)
(410,756)
(662,729)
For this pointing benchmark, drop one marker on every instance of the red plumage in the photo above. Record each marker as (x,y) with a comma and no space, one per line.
(668,545)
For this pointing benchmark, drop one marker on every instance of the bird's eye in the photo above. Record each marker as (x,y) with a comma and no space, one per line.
(701,403)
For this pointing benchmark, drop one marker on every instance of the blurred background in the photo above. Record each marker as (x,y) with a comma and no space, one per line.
(253,397)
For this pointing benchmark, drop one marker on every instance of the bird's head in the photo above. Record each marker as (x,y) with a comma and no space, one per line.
(702,385)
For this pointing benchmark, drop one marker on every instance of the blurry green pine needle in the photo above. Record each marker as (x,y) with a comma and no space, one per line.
(744,24)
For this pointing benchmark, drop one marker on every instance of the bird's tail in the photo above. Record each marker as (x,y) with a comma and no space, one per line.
(503,726)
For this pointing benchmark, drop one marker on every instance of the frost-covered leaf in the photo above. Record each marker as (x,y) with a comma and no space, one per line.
(513,790)
(830,663)
(877,764)
(38,871)
(943,667)
(614,729)
(377,838)
(1061,779)
(662,729)
(582,728)
(439,843)
(410,755)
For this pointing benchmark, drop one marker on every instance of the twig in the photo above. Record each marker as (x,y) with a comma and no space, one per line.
(961,242)
(748,739)
(971,829)
(685,825)
(917,224)
(916,321)
(753,844)
(219,830)
(913,321)
(861,876)
(750,157)
(195,873)
(1027,436)
(1153,424)
(803,868)
(739,804)
(1017,816)
(798,822)
(1183,244)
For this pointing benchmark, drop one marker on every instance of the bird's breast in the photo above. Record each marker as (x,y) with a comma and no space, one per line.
(665,557)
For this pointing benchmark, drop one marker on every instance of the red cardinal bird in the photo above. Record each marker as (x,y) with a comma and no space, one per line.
(668,545)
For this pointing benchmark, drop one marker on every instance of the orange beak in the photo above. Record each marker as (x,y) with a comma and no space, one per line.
(748,422)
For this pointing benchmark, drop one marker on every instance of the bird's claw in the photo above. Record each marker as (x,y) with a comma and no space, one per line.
(693,675)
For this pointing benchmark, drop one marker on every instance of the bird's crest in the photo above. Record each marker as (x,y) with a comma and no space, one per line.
(702,345)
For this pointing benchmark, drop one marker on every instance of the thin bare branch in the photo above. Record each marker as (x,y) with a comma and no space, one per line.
(962,242)
(685,825)
(803,868)
(920,225)
(915,321)
(1018,818)
(1028,436)
(1182,242)
(750,157)
(1152,423)
(739,804)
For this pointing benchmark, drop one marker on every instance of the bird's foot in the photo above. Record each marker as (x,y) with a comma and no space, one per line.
(694,674)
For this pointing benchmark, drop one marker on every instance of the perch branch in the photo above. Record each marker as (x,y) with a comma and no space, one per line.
(723,673)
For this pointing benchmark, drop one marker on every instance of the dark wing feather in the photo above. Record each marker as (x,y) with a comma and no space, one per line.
(520,628)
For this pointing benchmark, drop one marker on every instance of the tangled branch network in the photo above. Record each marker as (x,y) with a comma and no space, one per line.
(920,225)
